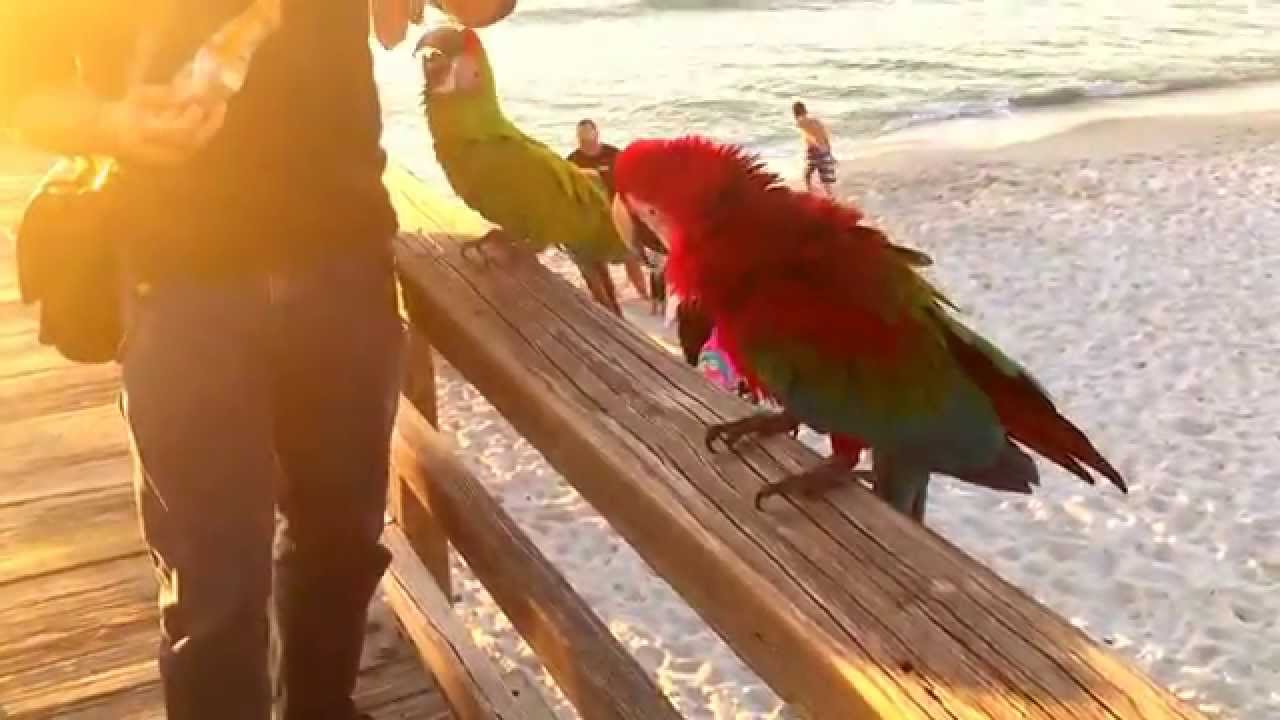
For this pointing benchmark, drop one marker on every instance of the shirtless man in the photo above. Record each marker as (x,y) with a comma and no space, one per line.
(817,150)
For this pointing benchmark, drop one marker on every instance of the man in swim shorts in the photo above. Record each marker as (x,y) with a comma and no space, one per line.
(817,150)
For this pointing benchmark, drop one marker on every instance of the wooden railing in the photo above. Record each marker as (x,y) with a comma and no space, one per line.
(844,607)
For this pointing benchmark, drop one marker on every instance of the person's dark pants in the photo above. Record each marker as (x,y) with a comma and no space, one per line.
(242,397)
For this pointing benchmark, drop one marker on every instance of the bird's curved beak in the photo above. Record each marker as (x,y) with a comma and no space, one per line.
(634,232)
(439,48)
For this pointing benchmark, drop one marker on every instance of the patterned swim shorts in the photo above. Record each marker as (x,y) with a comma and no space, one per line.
(822,162)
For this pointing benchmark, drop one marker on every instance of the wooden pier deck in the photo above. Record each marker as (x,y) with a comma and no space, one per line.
(78,624)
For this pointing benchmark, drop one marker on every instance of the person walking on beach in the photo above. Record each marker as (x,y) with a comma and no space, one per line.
(596,157)
(817,150)
(263,342)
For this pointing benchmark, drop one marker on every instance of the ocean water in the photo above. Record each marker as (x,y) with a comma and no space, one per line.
(732,68)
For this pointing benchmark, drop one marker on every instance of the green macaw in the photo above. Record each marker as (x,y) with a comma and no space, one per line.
(512,180)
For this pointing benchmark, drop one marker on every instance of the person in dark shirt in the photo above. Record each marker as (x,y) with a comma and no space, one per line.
(263,342)
(596,157)
(591,154)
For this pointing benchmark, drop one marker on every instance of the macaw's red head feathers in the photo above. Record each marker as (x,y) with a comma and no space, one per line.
(723,216)
(688,177)
(670,189)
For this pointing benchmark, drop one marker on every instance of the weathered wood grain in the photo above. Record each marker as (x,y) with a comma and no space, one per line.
(60,532)
(44,443)
(57,390)
(385,690)
(842,605)
(469,680)
(420,526)
(413,513)
(591,667)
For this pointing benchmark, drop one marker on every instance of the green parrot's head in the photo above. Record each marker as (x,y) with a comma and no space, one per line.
(453,62)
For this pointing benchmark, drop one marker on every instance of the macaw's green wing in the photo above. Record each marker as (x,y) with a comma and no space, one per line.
(920,408)
(848,340)
(533,193)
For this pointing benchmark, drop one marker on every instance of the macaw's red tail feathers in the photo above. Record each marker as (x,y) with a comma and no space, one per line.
(847,446)
(1024,408)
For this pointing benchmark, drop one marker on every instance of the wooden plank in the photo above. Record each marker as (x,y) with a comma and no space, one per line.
(48,442)
(382,688)
(115,470)
(469,681)
(48,535)
(839,603)
(73,613)
(76,635)
(81,643)
(423,706)
(24,356)
(57,391)
(420,376)
(420,526)
(595,672)
(412,513)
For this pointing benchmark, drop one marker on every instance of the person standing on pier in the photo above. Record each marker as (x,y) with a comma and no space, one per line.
(262,349)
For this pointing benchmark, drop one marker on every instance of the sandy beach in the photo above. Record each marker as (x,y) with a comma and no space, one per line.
(1130,264)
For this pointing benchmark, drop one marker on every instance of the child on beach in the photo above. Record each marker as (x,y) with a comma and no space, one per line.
(817,147)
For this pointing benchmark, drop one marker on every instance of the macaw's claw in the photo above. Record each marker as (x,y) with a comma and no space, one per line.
(762,425)
(815,482)
(474,250)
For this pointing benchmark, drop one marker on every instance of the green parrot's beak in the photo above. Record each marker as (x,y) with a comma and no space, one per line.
(438,49)
(435,71)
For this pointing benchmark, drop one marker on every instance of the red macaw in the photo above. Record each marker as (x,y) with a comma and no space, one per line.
(834,322)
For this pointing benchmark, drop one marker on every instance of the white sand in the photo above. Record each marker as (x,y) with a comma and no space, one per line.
(1134,266)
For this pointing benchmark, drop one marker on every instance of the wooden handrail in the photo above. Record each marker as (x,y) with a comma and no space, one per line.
(591,667)
(843,606)
(471,683)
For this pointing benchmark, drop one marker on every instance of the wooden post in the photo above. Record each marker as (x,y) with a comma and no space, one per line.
(595,671)
(471,683)
(408,509)
(420,376)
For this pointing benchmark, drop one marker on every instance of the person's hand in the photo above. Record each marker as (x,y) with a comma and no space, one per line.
(391,18)
(153,125)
